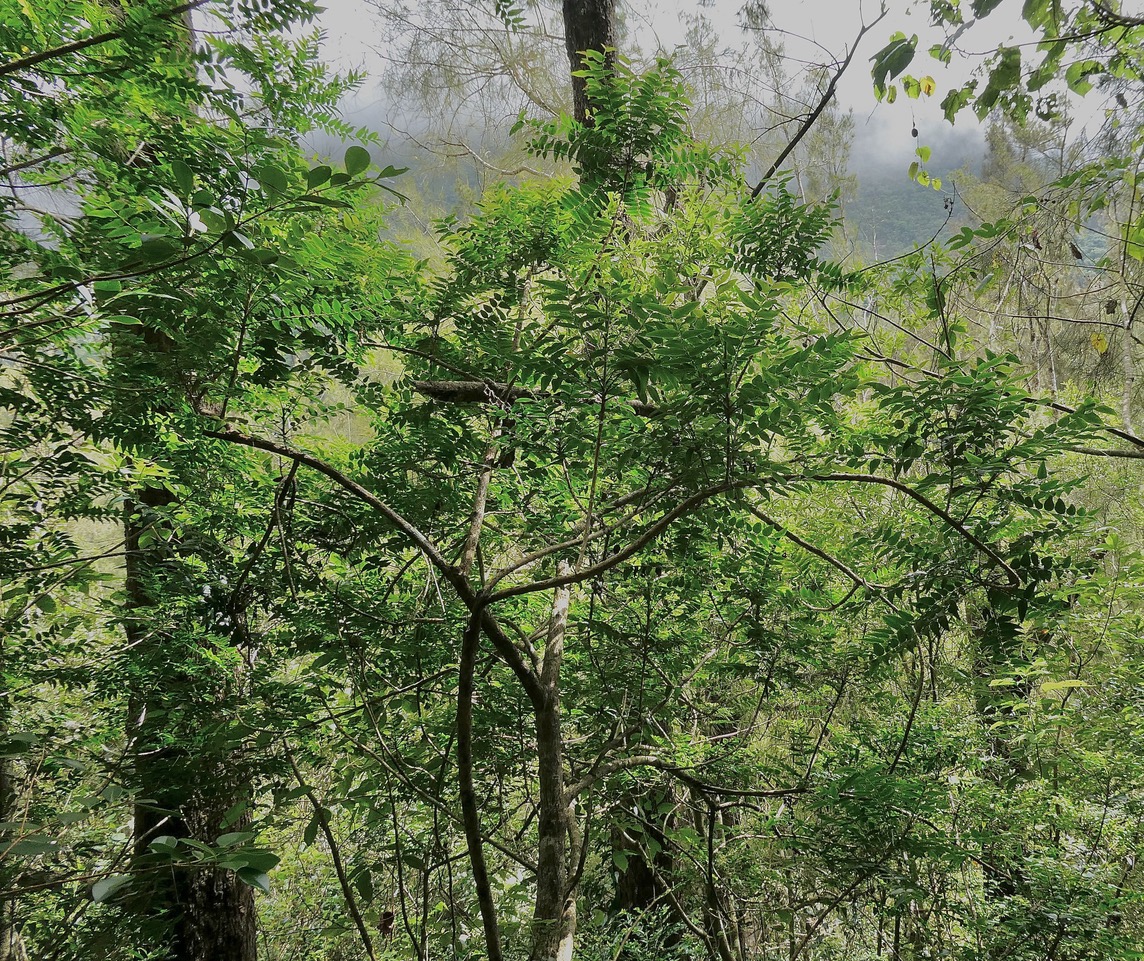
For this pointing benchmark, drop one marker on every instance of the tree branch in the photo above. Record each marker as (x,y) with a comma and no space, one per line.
(810,119)
(34,161)
(339,868)
(501,641)
(484,391)
(595,570)
(1111,17)
(933,508)
(14,66)
(816,551)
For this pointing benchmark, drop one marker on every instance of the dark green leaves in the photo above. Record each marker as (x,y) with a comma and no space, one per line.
(1003,77)
(982,8)
(891,60)
(183,177)
(357,159)
(272,178)
(318,176)
(157,249)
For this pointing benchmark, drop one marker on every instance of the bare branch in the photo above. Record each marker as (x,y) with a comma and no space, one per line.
(335,855)
(810,119)
(933,508)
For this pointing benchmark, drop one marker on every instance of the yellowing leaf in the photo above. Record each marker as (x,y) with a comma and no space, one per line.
(929,86)
(1049,686)
(1099,342)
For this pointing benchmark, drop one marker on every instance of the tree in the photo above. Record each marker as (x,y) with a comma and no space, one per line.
(152,194)
(623,535)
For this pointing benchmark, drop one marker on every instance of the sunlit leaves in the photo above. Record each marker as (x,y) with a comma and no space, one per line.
(891,60)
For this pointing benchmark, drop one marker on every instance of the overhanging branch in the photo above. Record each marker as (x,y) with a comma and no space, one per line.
(487,391)
(32,59)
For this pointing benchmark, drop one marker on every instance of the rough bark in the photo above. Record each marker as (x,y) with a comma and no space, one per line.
(203,914)
(588,25)
(554,921)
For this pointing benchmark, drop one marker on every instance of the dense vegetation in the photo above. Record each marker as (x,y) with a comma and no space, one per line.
(627,567)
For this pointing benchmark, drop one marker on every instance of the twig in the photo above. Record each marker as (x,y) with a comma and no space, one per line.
(810,119)
(335,856)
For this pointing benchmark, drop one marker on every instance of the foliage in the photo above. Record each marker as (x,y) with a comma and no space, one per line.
(635,550)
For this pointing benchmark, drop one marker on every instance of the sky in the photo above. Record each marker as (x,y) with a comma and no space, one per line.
(813,31)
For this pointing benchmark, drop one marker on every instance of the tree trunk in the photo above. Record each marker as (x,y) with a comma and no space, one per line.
(11,944)
(554,920)
(1128,368)
(588,25)
(207,914)
(999,649)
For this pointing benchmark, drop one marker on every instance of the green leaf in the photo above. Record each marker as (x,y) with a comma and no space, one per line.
(105,888)
(1004,76)
(956,100)
(183,177)
(30,847)
(272,178)
(318,176)
(892,59)
(310,833)
(254,878)
(1050,686)
(1077,75)
(327,202)
(234,837)
(363,881)
(258,859)
(357,159)
(235,812)
(165,844)
(157,249)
